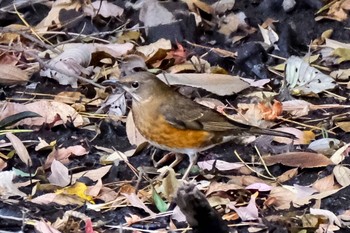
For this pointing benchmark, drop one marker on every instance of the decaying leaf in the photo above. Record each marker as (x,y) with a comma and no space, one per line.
(103,8)
(59,174)
(51,112)
(298,159)
(7,187)
(135,201)
(10,75)
(249,212)
(20,149)
(342,175)
(304,79)
(219,84)
(134,136)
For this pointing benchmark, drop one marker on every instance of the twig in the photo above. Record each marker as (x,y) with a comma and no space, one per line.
(305,125)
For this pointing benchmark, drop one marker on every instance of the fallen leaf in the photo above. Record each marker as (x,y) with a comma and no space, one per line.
(135,201)
(249,212)
(221,187)
(219,164)
(134,136)
(44,227)
(298,159)
(78,189)
(340,154)
(59,174)
(20,149)
(219,84)
(304,79)
(7,187)
(291,173)
(94,174)
(103,8)
(12,75)
(326,183)
(342,175)
(330,215)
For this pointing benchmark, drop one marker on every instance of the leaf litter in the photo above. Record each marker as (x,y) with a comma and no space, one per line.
(56,156)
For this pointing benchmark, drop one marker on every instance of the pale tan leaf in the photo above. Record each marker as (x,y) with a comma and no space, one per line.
(325,184)
(150,50)
(20,149)
(340,154)
(103,8)
(342,175)
(44,227)
(10,75)
(134,136)
(59,174)
(219,84)
(94,175)
(7,187)
(135,201)
(222,6)
(287,175)
(221,187)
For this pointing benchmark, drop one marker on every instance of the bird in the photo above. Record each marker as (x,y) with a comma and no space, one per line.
(170,121)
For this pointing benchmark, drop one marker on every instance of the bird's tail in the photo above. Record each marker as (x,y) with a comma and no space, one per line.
(272,132)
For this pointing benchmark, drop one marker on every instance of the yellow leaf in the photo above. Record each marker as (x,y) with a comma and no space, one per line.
(78,189)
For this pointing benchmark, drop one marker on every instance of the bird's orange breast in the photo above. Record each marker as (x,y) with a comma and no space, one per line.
(164,135)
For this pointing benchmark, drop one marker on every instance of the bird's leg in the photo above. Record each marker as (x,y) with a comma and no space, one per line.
(193,160)
(178,159)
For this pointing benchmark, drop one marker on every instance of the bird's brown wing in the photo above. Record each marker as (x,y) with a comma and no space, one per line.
(186,114)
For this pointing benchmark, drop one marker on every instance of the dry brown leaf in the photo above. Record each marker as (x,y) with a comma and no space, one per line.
(95,189)
(20,149)
(287,175)
(221,187)
(103,8)
(298,159)
(222,6)
(250,114)
(53,17)
(60,199)
(231,23)
(134,136)
(219,84)
(270,112)
(63,154)
(152,13)
(325,184)
(94,174)
(11,75)
(340,154)
(3,164)
(49,110)
(45,227)
(135,201)
(342,175)
(303,137)
(219,164)
(7,187)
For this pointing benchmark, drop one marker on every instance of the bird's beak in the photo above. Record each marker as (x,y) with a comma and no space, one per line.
(113,83)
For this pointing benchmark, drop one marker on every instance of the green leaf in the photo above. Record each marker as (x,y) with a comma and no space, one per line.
(158,201)
(10,120)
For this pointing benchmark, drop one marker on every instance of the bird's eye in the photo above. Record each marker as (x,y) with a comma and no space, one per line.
(135,84)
